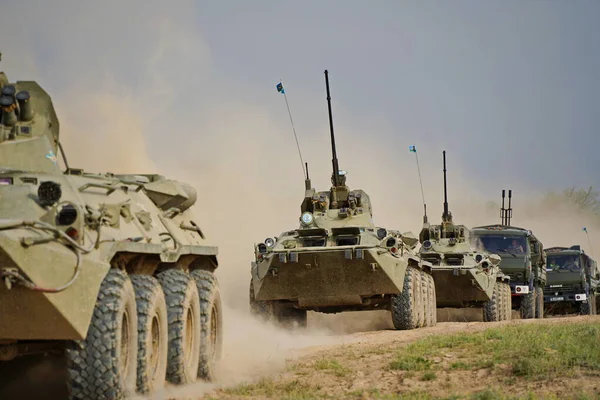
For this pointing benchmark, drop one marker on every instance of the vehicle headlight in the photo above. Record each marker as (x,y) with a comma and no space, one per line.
(269,242)
(478,258)
(306,218)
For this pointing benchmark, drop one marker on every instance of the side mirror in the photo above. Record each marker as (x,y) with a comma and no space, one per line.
(495,259)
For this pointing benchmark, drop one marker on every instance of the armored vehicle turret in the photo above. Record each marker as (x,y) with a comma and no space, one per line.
(338,260)
(573,281)
(523,259)
(113,271)
(464,277)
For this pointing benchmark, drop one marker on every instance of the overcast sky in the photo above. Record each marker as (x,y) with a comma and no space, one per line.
(509,88)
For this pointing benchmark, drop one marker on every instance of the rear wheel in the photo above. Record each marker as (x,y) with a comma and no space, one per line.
(404,306)
(104,364)
(183,306)
(211,323)
(429,302)
(152,333)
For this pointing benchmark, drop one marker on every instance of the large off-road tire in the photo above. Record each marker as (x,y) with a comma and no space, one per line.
(431,306)
(404,306)
(421,297)
(588,306)
(492,309)
(211,323)
(183,308)
(103,366)
(501,301)
(263,310)
(539,301)
(153,333)
(528,305)
(424,299)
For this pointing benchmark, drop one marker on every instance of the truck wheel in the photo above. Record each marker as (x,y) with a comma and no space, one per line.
(539,302)
(492,308)
(211,323)
(104,364)
(587,307)
(153,333)
(528,306)
(183,307)
(404,305)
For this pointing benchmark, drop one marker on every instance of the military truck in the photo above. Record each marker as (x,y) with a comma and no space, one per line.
(523,260)
(573,281)
(339,260)
(464,277)
(111,271)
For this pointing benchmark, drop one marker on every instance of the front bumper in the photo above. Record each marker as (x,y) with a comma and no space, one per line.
(572,296)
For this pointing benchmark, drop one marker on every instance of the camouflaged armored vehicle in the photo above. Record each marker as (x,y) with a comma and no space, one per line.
(464,277)
(110,270)
(523,259)
(339,260)
(573,281)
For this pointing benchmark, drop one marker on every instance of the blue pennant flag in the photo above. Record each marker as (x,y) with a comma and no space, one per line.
(412,149)
(584,229)
(280,88)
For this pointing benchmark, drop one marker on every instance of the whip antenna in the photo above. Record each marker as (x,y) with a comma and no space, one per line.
(589,242)
(281,90)
(413,149)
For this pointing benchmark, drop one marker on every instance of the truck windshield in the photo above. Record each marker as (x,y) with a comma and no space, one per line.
(502,243)
(567,262)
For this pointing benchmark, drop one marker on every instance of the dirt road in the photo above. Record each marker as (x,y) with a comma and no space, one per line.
(357,367)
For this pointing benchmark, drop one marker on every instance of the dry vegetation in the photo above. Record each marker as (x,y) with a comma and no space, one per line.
(546,359)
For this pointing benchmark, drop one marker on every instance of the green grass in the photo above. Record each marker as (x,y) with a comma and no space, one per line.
(294,390)
(529,351)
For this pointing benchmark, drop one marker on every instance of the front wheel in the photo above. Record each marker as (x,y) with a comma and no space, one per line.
(104,364)
(406,307)
(528,306)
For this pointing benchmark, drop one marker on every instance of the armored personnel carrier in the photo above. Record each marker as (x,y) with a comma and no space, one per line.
(464,277)
(339,260)
(523,259)
(573,281)
(112,271)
